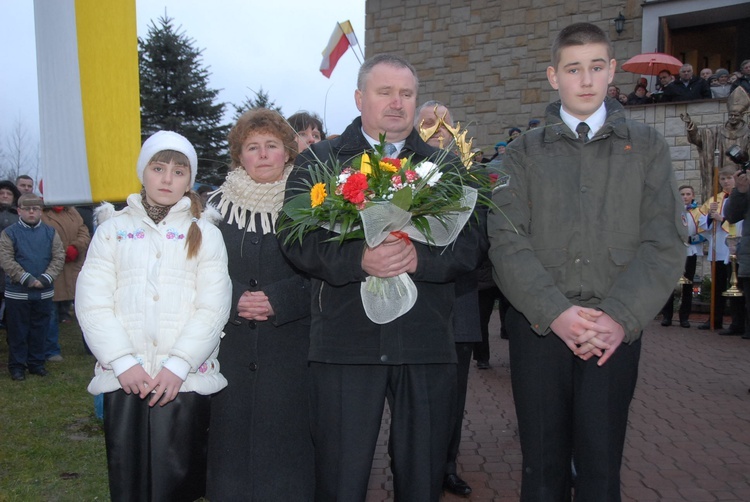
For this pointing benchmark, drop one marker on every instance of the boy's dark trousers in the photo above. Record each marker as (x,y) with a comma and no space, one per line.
(27,322)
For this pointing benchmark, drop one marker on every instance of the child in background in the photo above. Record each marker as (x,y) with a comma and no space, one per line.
(32,255)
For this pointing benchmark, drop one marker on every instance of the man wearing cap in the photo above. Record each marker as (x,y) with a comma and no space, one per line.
(32,255)
(533,124)
(497,157)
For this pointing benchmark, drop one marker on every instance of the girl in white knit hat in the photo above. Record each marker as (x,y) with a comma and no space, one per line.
(152,299)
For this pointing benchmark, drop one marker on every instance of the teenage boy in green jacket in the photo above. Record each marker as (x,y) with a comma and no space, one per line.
(587,242)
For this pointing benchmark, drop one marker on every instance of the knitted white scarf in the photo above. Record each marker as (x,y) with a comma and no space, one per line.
(243,198)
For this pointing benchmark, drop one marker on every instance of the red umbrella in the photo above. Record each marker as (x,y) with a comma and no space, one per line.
(651,63)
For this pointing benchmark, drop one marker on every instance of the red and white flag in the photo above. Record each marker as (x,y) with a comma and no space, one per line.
(341,38)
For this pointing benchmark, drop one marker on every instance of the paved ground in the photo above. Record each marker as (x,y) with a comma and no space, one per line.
(689,434)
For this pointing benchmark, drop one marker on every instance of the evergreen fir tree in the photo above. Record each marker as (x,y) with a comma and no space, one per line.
(261,100)
(175,96)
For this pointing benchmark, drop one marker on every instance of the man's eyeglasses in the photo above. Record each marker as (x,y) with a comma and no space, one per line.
(31,209)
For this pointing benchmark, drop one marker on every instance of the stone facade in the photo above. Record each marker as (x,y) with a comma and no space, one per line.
(487,60)
(666,119)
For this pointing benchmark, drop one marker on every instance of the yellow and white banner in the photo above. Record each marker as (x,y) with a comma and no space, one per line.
(89,102)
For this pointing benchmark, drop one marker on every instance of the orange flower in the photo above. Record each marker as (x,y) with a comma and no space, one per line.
(318,194)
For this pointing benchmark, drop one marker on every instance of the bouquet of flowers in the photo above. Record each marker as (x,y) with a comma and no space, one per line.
(374,196)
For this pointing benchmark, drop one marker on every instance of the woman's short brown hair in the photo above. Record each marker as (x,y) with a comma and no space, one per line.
(265,121)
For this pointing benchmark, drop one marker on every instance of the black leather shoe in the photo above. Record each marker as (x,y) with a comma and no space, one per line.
(666,322)
(730,331)
(457,486)
(39,372)
(482,365)
(684,324)
(705,325)
(746,336)
(17,376)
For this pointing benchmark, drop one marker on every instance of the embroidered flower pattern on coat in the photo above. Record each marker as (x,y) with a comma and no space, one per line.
(174,234)
(138,233)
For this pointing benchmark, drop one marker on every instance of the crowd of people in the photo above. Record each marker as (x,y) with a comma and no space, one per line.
(668,88)
(237,363)
(685,86)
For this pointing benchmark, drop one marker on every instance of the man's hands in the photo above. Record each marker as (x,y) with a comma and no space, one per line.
(588,332)
(164,387)
(393,257)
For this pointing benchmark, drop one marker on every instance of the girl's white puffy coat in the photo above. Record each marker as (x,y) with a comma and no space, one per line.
(139,295)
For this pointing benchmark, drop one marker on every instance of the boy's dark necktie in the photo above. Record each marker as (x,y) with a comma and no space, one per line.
(583,131)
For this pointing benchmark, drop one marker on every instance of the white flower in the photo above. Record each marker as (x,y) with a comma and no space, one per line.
(344,176)
(429,172)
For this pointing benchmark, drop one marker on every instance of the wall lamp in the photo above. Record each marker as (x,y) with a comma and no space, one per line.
(619,23)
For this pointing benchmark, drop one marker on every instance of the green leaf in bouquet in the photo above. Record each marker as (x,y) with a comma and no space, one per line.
(296,207)
(403,198)
(423,226)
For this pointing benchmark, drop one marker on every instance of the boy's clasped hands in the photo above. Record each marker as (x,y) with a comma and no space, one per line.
(588,332)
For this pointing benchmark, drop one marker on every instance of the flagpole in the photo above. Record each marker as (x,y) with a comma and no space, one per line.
(358,47)
(325,105)
(355,36)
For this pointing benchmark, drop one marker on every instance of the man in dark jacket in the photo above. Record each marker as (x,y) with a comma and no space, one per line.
(744,80)
(356,364)
(737,208)
(687,87)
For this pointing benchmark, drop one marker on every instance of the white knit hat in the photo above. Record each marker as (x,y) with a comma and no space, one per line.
(167,140)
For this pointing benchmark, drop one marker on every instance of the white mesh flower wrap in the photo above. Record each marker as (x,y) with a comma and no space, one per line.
(386,299)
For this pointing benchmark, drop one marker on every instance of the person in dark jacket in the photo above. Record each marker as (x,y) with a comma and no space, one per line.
(687,88)
(9,195)
(737,208)
(466,319)
(744,79)
(260,447)
(639,96)
(587,244)
(32,256)
(356,364)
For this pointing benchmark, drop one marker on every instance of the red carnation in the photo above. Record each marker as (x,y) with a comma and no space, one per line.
(354,188)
